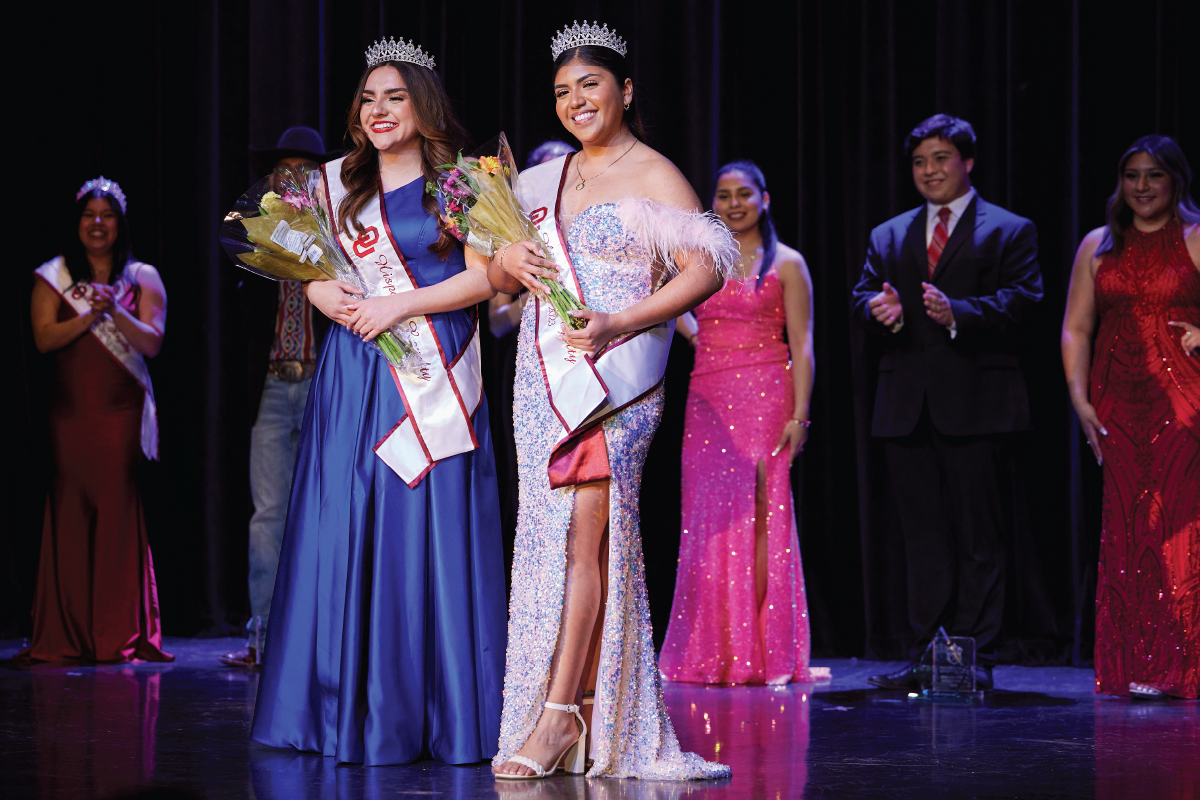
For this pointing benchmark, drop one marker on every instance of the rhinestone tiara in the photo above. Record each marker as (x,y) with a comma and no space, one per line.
(578,36)
(390,50)
(103,184)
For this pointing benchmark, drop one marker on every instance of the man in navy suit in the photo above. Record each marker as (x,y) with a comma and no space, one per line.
(946,284)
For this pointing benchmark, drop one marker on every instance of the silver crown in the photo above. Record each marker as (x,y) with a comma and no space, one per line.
(103,184)
(390,50)
(578,36)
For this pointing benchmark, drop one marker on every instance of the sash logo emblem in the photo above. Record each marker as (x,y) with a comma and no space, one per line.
(446,387)
(364,245)
(538,214)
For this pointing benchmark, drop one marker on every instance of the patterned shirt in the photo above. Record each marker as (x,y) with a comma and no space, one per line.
(294,339)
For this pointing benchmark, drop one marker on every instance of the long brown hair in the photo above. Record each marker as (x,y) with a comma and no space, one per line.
(1168,155)
(442,136)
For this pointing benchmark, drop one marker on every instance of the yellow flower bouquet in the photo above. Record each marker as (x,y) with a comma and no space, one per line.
(289,237)
(480,207)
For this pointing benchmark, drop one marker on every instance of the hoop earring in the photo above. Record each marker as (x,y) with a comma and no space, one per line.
(627,105)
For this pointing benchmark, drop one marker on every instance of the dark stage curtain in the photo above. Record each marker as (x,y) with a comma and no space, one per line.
(166,98)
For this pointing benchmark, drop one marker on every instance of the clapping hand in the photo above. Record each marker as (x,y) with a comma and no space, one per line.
(937,305)
(102,299)
(885,306)
(1190,341)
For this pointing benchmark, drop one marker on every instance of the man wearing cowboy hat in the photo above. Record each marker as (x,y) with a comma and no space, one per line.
(283,337)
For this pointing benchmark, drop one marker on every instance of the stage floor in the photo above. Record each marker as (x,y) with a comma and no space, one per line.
(83,732)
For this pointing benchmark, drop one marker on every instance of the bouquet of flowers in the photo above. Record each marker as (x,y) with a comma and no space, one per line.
(482,210)
(289,237)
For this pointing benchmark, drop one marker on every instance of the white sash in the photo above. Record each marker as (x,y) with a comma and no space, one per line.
(439,403)
(79,297)
(584,390)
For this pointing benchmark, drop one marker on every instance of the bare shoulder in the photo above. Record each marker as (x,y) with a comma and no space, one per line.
(1086,254)
(147,276)
(789,263)
(789,257)
(661,180)
(1191,238)
(1094,237)
(43,290)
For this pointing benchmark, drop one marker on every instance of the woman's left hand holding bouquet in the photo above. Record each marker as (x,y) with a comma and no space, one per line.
(333,299)
(374,315)
(601,329)
(521,264)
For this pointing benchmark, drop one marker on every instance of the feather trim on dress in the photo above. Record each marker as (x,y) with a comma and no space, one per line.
(666,230)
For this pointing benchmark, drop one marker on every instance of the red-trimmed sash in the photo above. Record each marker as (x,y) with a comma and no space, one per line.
(79,297)
(583,391)
(440,403)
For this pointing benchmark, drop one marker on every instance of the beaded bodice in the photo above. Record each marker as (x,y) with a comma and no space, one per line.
(1149,283)
(613,268)
(742,324)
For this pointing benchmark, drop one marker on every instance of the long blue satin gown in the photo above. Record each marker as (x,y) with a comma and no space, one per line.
(388,622)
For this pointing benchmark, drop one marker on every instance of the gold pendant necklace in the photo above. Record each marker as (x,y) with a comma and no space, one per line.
(758,251)
(583,182)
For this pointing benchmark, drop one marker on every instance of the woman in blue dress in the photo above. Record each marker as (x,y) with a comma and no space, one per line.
(388,621)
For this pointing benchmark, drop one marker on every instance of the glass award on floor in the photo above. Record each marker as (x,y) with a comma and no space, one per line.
(953,667)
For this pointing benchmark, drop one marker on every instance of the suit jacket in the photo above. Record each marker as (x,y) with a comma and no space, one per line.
(972,383)
(260,308)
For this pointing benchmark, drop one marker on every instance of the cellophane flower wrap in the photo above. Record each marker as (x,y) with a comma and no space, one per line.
(480,207)
(279,230)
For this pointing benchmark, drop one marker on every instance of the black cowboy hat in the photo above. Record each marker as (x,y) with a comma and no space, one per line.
(298,141)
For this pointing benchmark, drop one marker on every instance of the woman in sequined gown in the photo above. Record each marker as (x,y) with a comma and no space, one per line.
(1139,405)
(575,543)
(740,614)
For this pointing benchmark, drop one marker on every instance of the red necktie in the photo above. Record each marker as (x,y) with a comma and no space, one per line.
(938,243)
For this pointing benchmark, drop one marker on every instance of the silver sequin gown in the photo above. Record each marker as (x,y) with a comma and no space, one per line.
(632,734)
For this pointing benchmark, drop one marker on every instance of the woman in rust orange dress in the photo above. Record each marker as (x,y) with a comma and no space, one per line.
(1138,400)
(100,313)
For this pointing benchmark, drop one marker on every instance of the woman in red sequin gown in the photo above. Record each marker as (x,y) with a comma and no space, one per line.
(1139,405)
(96,599)
(740,614)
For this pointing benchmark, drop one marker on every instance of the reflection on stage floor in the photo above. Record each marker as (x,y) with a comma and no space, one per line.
(180,730)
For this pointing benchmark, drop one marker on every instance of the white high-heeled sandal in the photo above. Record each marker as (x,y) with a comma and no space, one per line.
(572,760)
(591,746)
(1144,691)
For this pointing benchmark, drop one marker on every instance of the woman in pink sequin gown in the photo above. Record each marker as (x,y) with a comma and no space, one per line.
(740,613)
(1138,401)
